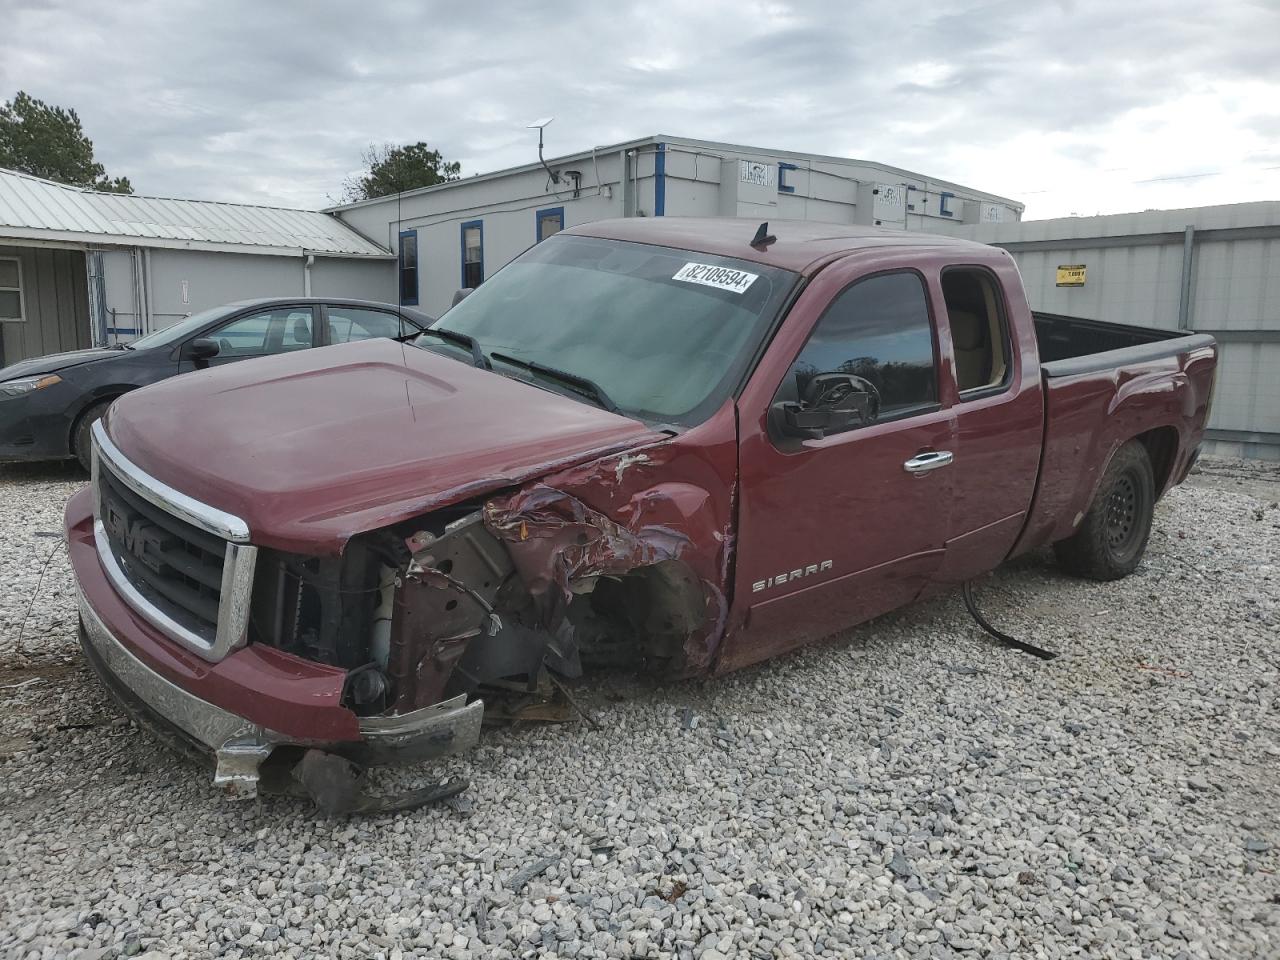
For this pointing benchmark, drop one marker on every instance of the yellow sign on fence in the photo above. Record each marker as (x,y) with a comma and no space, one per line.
(1071,275)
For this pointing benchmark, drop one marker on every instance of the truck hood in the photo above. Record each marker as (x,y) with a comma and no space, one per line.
(57,361)
(312,448)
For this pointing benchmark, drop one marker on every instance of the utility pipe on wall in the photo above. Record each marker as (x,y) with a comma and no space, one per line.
(1188,264)
(147,291)
(308,262)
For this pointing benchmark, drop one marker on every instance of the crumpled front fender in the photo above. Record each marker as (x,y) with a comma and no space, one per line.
(672,501)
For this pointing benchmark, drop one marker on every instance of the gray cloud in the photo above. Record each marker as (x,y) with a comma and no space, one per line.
(273,102)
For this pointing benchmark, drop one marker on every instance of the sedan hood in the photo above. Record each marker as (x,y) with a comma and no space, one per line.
(56,361)
(312,448)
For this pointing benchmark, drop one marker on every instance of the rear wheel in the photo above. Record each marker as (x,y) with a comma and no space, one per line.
(1112,538)
(81,442)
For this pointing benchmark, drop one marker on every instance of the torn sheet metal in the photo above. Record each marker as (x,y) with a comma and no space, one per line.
(557,543)
(560,544)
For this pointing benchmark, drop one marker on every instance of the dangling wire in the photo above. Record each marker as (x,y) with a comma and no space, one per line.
(967,591)
(62,542)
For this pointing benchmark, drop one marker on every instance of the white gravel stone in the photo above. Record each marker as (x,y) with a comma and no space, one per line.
(910,790)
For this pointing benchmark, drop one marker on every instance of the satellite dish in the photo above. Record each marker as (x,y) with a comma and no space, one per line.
(539,124)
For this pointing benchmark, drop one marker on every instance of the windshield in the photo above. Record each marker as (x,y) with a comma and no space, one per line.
(180,330)
(664,333)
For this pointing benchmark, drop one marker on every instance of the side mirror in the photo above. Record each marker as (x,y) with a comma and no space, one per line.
(201,348)
(831,403)
(462,295)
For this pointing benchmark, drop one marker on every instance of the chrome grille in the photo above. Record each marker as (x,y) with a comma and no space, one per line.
(173,563)
(184,566)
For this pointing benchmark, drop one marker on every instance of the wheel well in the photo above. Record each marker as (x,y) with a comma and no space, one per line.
(1162,448)
(95,401)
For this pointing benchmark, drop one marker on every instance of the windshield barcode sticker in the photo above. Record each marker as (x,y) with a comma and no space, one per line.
(722,278)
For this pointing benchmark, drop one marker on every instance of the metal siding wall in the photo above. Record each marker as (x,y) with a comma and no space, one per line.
(1247,396)
(358,279)
(56,297)
(1236,288)
(1237,285)
(216,278)
(1125,284)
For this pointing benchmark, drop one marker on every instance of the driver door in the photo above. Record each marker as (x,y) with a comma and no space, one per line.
(839,529)
(258,334)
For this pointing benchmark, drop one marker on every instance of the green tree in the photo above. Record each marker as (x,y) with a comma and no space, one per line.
(391,169)
(49,142)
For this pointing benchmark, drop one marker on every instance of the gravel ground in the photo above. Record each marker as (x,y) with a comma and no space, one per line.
(911,790)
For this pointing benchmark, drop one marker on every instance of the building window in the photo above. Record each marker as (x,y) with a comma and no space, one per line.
(409,267)
(11,290)
(550,222)
(472,254)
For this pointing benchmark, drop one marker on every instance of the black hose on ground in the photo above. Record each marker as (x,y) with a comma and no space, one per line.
(967,591)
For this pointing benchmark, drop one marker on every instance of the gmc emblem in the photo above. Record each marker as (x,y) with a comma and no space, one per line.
(135,536)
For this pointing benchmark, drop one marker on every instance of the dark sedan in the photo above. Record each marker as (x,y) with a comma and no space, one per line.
(47,405)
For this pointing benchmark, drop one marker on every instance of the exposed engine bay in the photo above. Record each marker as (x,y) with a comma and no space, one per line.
(497,600)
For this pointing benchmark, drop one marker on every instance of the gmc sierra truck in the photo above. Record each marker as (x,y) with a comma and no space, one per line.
(687,445)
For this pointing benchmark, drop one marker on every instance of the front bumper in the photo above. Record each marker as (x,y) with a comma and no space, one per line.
(34,427)
(24,439)
(143,671)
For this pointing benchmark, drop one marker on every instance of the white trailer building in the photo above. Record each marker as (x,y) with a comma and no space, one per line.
(455,234)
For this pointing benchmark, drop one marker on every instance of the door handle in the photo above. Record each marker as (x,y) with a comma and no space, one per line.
(930,460)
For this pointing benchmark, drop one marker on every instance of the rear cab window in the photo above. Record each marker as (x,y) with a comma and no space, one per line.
(979,331)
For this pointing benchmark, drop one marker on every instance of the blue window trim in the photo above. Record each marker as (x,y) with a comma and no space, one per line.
(782,170)
(462,247)
(417,275)
(660,181)
(942,204)
(541,215)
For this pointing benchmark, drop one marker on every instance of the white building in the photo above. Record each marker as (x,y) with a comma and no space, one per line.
(79,268)
(455,234)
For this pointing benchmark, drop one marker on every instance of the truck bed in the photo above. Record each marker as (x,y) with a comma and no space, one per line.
(1074,345)
(1105,383)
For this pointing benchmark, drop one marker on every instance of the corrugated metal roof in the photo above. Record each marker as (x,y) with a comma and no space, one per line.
(31,208)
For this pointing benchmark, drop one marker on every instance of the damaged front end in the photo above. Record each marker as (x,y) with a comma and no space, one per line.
(488,607)
(397,648)
(485,601)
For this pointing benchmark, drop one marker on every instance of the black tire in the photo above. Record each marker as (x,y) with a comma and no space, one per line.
(80,438)
(1112,538)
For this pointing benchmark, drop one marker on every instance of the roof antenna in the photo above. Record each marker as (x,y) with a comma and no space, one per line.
(539,125)
(763,237)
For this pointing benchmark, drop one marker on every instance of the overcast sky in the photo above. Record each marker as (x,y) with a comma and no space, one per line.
(1071,107)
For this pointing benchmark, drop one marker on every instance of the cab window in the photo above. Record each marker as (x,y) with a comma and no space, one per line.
(874,347)
(979,331)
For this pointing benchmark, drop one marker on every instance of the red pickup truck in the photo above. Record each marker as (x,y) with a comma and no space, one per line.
(683,444)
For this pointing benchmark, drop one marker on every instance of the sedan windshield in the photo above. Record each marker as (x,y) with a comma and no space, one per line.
(664,334)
